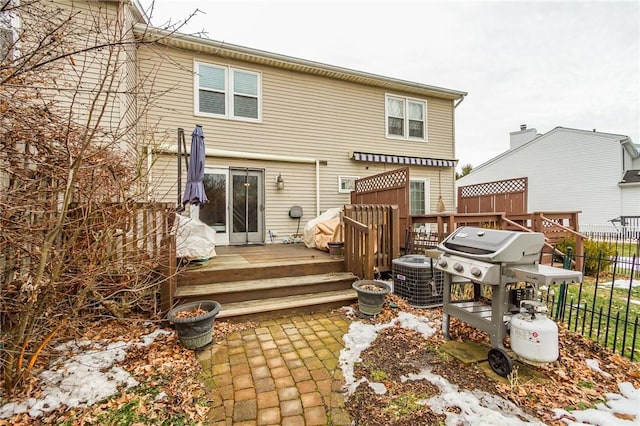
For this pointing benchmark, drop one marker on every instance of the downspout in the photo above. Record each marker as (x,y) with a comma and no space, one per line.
(453,121)
(317,188)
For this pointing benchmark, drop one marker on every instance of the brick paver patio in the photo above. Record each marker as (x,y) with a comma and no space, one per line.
(284,372)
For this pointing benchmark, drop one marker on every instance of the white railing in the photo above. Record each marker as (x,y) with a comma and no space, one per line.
(611,231)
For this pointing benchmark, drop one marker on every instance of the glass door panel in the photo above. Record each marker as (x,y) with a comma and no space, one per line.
(247,194)
(214,212)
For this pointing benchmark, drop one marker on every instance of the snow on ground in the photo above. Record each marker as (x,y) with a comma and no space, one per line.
(625,404)
(88,376)
(595,366)
(622,283)
(477,407)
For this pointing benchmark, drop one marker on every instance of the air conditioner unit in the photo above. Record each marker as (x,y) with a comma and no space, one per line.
(417,281)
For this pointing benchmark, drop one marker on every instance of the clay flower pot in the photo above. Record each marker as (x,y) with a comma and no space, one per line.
(371,295)
(195,328)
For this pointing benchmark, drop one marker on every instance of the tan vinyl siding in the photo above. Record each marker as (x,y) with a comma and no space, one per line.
(303,115)
(96,82)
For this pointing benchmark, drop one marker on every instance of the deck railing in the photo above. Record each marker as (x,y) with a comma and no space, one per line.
(358,249)
(142,234)
(372,238)
(554,226)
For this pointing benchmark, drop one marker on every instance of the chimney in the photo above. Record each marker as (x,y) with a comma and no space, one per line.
(524,135)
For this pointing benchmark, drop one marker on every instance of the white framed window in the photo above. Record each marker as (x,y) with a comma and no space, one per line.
(419,195)
(406,118)
(9,25)
(346,184)
(227,92)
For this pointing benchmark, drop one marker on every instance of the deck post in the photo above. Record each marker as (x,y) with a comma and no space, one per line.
(168,269)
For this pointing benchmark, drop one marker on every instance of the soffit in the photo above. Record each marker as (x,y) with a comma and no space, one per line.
(240,53)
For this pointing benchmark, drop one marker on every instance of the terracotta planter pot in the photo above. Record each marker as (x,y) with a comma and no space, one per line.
(371,295)
(195,332)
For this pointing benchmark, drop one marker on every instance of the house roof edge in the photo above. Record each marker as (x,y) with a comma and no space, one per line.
(624,140)
(203,45)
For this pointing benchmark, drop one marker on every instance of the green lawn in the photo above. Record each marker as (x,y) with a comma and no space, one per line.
(599,322)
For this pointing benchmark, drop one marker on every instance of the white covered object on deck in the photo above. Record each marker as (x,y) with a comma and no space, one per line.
(323,229)
(195,240)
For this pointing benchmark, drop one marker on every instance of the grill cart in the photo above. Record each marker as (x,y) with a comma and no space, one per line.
(502,271)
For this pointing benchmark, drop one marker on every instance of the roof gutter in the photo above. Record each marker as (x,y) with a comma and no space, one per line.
(220,48)
(627,141)
(459,101)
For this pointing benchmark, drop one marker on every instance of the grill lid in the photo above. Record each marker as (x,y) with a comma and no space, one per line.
(495,246)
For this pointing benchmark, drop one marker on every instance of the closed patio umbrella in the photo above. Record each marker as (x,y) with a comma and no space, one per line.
(194,190)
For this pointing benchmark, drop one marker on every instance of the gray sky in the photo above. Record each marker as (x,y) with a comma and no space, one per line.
(544,64)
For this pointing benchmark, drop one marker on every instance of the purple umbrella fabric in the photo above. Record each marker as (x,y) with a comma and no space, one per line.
(194,191)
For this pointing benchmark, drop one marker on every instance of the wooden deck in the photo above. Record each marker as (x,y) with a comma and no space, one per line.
(232,257)
(266,280)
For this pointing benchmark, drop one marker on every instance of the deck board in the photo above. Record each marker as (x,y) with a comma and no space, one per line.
(229,257)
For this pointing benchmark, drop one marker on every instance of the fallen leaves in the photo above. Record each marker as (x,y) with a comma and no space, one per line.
(569,384)
(192,313)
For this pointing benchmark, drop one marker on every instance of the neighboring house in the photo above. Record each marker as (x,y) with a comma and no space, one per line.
(570,170)
(279,131)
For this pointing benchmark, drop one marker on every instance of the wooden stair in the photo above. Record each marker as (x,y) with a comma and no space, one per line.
(257,290)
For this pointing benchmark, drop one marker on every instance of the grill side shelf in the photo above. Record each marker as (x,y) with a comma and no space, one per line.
(542,274)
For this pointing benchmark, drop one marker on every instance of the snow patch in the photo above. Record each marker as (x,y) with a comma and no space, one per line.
(477,407)
(627,403)
(86,377)
(595,366)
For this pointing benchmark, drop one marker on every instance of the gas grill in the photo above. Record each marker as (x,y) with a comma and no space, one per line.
(505,262)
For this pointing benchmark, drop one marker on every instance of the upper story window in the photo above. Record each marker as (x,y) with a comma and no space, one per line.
(7,36)
(227,92)
(406,118)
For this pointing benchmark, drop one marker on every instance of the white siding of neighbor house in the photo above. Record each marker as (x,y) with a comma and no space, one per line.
(568,170)
(302,116)
(631,200)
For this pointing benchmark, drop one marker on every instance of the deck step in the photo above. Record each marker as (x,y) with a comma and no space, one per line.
(233,272)
(283,304)
(262,284)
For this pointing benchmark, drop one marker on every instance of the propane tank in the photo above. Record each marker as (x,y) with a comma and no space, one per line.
(534,337)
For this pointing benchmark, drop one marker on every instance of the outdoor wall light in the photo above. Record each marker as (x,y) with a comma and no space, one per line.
(279,182)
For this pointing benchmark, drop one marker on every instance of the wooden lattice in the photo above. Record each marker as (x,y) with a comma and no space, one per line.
(392,179)
(497,187)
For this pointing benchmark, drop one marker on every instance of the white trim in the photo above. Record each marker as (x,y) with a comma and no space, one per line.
(427,194)
(406,100)
(227,91)
(232,94)
(212,152)
(342,190)
(15,24)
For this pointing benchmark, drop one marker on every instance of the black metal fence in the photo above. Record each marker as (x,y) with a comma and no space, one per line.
(605,306)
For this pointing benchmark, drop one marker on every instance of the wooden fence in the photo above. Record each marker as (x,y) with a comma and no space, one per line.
(509,196)
(388,188)
(372,238)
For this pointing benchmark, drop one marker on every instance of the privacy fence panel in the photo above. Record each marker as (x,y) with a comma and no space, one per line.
(388,188)
(509,196)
